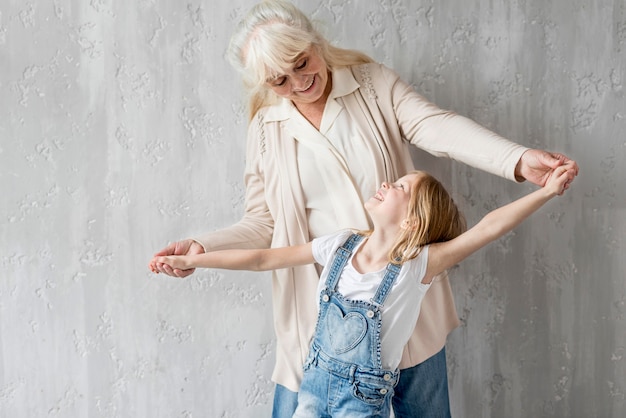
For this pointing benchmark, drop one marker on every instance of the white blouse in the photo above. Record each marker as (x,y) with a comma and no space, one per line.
(340,132)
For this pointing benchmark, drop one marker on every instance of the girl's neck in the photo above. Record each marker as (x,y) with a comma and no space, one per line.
(373,255)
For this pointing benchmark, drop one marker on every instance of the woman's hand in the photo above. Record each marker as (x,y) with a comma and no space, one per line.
(184,247)
(537,166)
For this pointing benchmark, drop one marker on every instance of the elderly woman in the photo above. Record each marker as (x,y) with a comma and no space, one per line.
(327,126)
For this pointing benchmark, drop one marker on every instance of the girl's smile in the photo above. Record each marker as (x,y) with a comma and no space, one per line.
(390,203)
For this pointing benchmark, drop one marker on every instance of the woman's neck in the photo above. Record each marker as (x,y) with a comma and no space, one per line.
(313,112)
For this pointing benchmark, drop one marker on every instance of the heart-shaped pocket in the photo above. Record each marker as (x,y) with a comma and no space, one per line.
(345,331)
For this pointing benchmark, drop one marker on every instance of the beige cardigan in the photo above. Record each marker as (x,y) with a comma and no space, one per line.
(391,115)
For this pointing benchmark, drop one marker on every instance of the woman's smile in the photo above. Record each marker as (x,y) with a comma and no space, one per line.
(308,87)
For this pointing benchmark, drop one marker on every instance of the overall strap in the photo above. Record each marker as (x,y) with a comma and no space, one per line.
(340,259)
(391,272)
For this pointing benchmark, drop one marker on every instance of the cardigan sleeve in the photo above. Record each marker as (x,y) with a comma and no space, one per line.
(256,227)
(446,134)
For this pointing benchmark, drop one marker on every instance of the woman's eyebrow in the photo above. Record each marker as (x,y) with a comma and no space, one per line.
(294,61)
(298,57)
(273,77)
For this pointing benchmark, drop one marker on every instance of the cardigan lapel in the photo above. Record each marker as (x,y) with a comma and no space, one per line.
(336,175)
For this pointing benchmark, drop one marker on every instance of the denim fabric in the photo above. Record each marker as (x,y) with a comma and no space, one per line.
(423,390)
(343,376)
(285,402)
(332,388)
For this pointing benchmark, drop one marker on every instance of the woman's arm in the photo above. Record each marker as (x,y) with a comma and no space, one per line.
(446,134)
(254,260)
(255,228)
(444,255)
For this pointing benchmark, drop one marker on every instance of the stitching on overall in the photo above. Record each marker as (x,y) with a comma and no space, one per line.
(383,290)
(340,259)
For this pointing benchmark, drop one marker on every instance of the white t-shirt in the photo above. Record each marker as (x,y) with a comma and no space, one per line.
(402,306)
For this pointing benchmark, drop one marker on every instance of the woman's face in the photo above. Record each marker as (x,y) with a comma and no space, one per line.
(306,82)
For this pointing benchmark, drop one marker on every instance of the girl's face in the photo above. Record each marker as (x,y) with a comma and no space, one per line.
(306,82)
(391,201)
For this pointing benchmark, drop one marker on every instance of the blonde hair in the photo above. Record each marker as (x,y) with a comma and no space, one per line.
(269,40)
(432,217)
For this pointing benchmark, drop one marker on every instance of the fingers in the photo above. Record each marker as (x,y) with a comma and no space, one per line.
(572,168)
(567,162)
(157,267)
(183,273)
(562,179)
(548,159)
(160,264)
(566,167)
(169,250)
(163,267)
(176,248)
(571,173)
(560,157)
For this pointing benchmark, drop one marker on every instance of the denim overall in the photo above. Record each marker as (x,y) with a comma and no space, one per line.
(343,376)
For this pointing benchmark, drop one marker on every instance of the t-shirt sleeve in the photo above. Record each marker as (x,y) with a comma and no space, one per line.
(325,246)
(418,267)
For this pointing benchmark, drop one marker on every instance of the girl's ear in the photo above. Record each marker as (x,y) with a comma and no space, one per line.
(408,224)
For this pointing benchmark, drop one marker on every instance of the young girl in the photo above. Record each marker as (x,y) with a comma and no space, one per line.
(372,285)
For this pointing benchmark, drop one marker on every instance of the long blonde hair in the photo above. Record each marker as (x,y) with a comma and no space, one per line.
(432,217)
(269,39)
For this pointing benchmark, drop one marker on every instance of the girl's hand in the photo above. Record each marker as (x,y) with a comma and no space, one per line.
(559,180)
(184,247)
(169,262)
(538,166)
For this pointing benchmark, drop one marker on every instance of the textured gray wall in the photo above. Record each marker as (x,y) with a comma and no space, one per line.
(122,128)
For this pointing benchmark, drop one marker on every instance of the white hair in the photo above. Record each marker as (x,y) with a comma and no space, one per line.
(269,40)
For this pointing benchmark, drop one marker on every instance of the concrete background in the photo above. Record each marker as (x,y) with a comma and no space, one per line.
(122,129)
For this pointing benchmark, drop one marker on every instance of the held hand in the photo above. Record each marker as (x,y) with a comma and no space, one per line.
(558,181)
(184,247)
(175,262)
(537,166)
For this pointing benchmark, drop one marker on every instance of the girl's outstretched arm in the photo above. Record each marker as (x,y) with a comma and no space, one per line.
(254,260)
(444,255)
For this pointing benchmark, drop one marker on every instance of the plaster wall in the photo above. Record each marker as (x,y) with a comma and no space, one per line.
(122,128)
